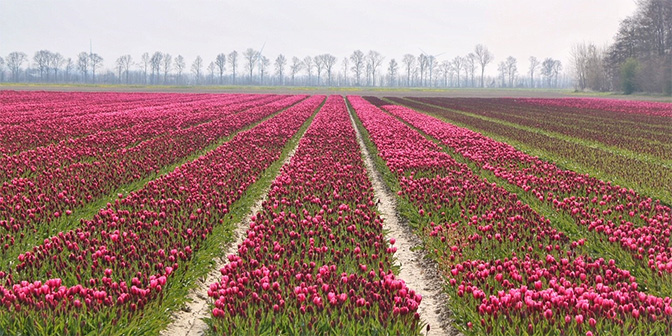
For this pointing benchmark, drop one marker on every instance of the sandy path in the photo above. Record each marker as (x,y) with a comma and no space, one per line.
(189,320)
(419,273)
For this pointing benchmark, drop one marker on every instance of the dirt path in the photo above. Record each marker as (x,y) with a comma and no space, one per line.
(419,273)
(189,320)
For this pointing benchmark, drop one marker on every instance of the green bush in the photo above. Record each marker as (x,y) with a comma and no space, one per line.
(628,75)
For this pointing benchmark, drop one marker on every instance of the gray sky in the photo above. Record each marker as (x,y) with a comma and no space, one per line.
(518,28)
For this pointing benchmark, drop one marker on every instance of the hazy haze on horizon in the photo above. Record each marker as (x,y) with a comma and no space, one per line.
(519,28)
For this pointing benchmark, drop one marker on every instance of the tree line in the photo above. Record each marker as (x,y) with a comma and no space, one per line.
(639,59)
(251,67)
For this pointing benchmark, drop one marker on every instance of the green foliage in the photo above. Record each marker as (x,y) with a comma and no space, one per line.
(629,71)
(668,78)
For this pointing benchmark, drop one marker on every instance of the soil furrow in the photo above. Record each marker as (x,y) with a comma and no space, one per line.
(419,273)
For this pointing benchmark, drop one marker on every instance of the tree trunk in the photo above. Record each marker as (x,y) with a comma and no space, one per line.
(482,72)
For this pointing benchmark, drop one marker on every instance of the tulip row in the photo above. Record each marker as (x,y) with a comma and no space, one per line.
(635,132)
(30,205)
(315,259)
(509,271)
(475,217)
(649,175)
(96,278)
(611,105)
(638,224)
(33,119)
(152,121)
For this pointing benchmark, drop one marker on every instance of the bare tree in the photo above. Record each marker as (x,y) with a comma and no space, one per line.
(511,69)
(42,59)
(220,62)
(251,58)
(534,65)
(319,65)
(179,66)
(56,62)
(2,69)
(550,69)
(167,62)
(308,64)
(484,57)
(83,64)
(155,63)
(357,59)
(125,64)
(119,66)
(329,61)
(392,69)
(471,60)
(295,67)
(547,70)
(375,59)
(264,62)
(197,68)
(346,64)
(69,66)
(588,65)
(211,70)
(458,64)
(233,59)
(557,67)
(446,69)
(409,63)
(431,65)
(280,63)
(422,61)
(597,76)
(465,67)
(501,69)
(14,61)
(96,62)
(439,75)
(415,76)
(144,65)
(579,57)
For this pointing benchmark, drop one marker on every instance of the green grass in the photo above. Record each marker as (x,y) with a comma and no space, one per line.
(455,92)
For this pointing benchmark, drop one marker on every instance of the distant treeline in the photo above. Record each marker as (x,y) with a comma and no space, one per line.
(251,67)
(640,58)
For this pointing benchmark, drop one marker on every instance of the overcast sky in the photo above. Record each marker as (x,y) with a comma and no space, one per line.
(519,28)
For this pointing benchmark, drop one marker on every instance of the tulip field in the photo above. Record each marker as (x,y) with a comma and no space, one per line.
(541,216)
(315,260)
(510,270)
(625,142)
